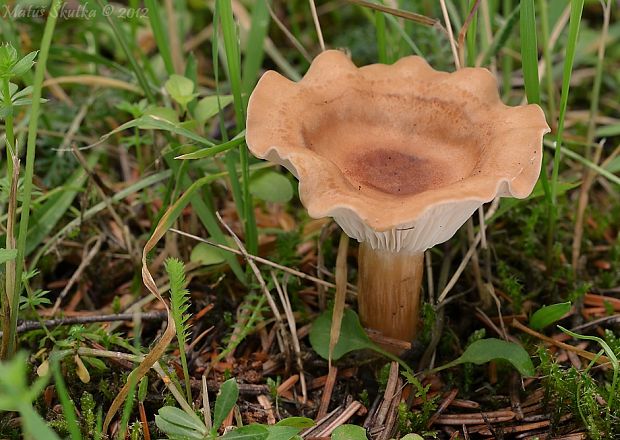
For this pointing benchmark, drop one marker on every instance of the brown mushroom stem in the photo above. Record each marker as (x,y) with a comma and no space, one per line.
(389,291)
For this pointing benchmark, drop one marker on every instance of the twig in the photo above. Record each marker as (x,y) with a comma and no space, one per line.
(284,343)
(412,16)
(445,404)
(265,402)
(446,18)
(390,423)
(583,353)
(476,418)
(468,255)
(290,318)
(317,24)
(388,395)
(315,430)
(463,31)
(261,260)
(327,391)
(341,288)
(594,108)
(206,407)
(26,326)
(428,257)
(341,419)
(302,50)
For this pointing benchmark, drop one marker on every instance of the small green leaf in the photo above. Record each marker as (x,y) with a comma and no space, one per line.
(180,418)
(352,335)
(614,165)
(249,432)
(209,107)
(8,59)
(34,425)
(5,111)
(297,422)
(486,350)
(143,388)
(271,186)
(548,315)
(158,113)
(412,437)
(349,432)
(608,130)
(148,122)
(212,151)
(278,432)
(24,65)
(208,255)
(177,431)
(226,400)
(7,255)
(181,89)
(94,362)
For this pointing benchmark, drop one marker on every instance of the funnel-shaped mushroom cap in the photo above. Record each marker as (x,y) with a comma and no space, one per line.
(399,155)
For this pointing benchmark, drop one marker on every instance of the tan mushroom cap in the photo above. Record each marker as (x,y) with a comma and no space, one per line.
(399,155)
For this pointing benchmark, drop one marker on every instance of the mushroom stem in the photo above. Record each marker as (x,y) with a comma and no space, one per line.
(389,291)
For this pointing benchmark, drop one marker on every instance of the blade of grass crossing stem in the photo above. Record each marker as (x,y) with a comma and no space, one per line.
(470,38)
(573,33)
(544,34)
(254,52)
(233,60)
(341,290)
(381,37)
(231,156)
(160,35)
(507,61)
(68,408)
(119,32)
(529,51)
(165,222)
(529,63)
(29,169)
(206,216)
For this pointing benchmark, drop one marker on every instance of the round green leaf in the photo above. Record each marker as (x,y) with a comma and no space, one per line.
(349,432)
(486,350)
(549,314)
(352,335)
(206,255)
(271,186)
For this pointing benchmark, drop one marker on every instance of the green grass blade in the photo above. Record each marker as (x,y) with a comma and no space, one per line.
(91,212)
(208,220)
(29,169)
(470,38)
(544,34)
(231,48)
(47,216)
(381,37)
(529,51)
(573,33)
(233,57)
(161,38)
(500,39)
(68,408)
(254,52)
(122,40)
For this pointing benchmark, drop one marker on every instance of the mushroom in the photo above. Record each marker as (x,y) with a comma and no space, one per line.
(400,156)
